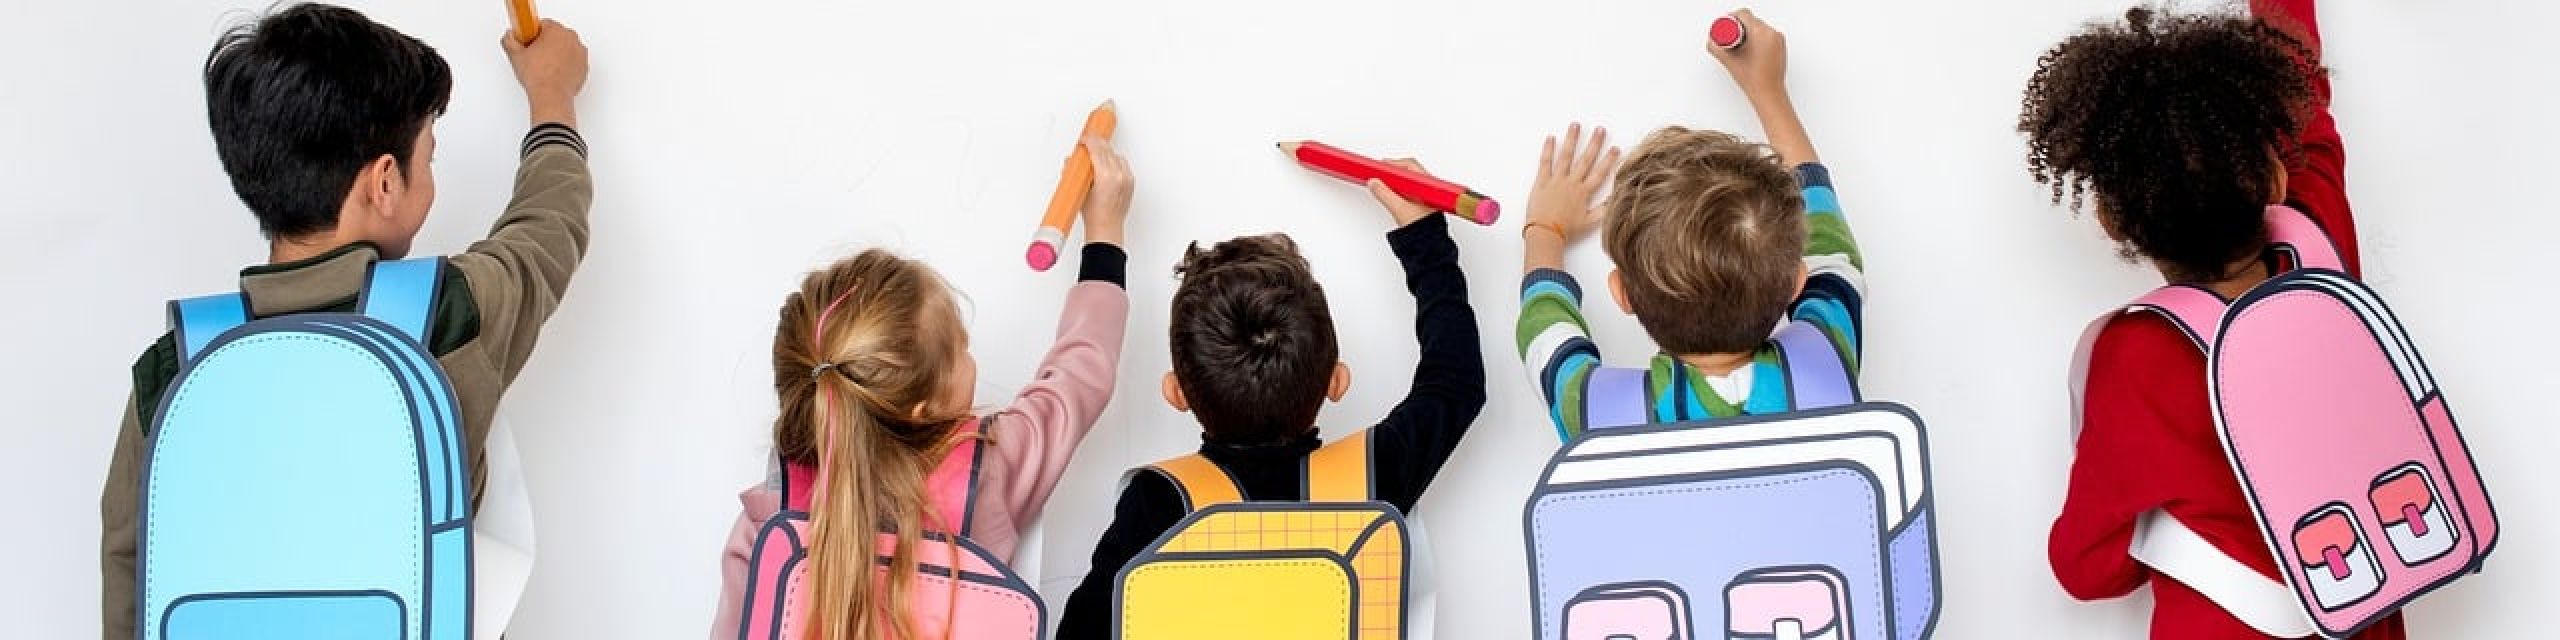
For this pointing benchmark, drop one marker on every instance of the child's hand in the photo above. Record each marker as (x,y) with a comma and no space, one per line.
(1760,64)
(1106,206)
(1568,178)
(553,70)
(1404,211)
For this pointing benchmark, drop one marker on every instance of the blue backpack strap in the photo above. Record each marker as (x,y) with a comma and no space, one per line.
(1614,397)
(402,293)
(196,321)
(1816,375)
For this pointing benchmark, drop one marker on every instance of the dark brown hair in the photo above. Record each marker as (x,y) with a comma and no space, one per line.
(1708,234)
(2178,124)
(1253,341)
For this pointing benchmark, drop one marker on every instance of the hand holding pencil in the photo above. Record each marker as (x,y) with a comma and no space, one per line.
(1400,208)
(1106,205)
(1076,184)
(553,70)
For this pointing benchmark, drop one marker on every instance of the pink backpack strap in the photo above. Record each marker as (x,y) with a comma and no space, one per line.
(2296,234)
(2192,309)
(952,486)
(949,488)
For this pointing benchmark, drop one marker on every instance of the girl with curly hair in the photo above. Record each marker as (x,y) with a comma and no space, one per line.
(2179,130)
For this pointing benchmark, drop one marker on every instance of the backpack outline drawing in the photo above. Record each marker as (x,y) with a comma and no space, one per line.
(1905,538)
(2327,596)
(978,569)
(1332,476)
(190,580)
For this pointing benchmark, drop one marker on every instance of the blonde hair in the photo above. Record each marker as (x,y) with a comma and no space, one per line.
(858,356)
(1708,234)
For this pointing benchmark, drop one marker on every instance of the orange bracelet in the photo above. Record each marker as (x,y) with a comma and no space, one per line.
(1549,226)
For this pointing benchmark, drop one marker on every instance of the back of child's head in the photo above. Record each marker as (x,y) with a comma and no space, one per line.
(2178,124)
(859,356)
(302,99)
(1253,341)
(1708,234)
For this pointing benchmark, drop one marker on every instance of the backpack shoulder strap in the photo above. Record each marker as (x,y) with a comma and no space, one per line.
(2294,233)
(2190,308)
(1339,472)
(196,321)
(2194,311)
(1817,375)
(2163,543)
(1615,397)
(952,486)
(1202,483)
(402,293)
(797,481)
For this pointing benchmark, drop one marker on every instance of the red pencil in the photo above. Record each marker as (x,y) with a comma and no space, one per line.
(1437,193)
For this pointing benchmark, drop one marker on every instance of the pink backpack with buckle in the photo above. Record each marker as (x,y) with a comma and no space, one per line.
(2350,457)
(993,602)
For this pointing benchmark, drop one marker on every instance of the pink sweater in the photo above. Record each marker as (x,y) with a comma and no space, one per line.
(1030,441)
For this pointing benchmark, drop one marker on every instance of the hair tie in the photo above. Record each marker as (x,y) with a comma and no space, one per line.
(826,419)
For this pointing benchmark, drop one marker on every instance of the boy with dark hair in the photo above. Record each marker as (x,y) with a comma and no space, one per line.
(1254,358)
(324,121)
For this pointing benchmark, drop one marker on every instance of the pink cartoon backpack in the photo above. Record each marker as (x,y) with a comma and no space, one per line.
(2348,452)
(993,603)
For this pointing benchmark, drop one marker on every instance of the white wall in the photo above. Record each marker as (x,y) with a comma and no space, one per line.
(736,148)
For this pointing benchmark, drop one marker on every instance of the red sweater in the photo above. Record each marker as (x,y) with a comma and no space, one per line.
(2148,439)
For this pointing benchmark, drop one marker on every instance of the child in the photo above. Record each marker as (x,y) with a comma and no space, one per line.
(2182,128)
(1716,245)
(1254,357)
(872,366)
(325,122)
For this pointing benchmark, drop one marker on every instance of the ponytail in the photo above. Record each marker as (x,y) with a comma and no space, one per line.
(856,366)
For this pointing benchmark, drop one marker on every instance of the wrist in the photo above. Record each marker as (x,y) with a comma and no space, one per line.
(1768,98)
(1110,233)
(1536,228)
(547,109)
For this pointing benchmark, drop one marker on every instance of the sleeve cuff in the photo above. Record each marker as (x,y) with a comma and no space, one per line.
(1552,277)
(1813,174)
(551,133)
(1104,262)
(1422,238)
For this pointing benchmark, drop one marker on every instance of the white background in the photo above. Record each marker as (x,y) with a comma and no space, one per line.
(738,146)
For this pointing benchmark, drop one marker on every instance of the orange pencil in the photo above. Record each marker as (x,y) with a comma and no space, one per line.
(1073,182)
(528,25)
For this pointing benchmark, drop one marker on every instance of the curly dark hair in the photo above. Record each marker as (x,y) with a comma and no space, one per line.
(2178,124)
(1253,340)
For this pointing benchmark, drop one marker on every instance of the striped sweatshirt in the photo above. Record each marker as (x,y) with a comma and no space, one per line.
(1557,349)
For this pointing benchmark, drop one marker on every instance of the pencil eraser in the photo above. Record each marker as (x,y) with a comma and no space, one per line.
(1488,211)
(1041,256)
(1726,32)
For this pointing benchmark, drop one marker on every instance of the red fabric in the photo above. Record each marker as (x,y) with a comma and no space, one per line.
(2148,438)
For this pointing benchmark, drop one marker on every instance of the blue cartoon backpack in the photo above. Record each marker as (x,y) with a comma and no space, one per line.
(305,476)
(1812,524)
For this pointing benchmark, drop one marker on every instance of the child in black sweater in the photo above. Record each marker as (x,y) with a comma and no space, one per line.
(1254,357)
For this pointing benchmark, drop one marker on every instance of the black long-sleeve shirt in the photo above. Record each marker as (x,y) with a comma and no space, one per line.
(1409,445)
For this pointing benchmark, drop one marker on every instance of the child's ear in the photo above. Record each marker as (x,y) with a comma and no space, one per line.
(1618,292)
(2277,183)
(1173,394)
(374,193)
(1341,383)
(1804,272)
